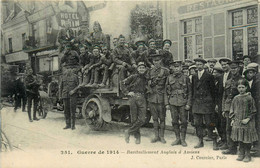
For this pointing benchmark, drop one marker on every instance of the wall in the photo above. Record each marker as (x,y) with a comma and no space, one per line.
(15,33)
(215,25)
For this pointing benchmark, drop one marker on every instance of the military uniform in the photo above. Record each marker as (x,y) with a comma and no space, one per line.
(122,55)
(230,91)
(177,96)
(140,56)
(68,83)
(136,83)
(167,58)
(32,92)
(157,78)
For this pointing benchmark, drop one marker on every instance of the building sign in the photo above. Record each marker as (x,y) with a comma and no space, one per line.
(73,19)
(203,5)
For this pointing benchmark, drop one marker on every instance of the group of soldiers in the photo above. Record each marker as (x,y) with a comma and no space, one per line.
(153,80)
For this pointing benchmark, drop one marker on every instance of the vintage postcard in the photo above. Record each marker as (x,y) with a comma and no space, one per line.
(120,84)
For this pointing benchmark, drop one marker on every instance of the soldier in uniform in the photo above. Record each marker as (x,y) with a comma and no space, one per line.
(68,83)
(20,93)
(139,55)
(151,50)
(167,55)
(178,100)
(135,87)
(157,78)
(65,36)
(32,92)
(230,91)
(122,58)
(203,98)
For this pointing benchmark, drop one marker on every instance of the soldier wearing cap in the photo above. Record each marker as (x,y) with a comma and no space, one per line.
(69,81)
(139,55)
(157,77)
(135,87)
(178,99)
(165,52)
(93,68)
(211,62)
(122,58)
(151,50)
(203,96)
(230,91)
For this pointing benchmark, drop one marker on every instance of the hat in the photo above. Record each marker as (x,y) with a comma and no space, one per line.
(246,56)
(121,36)
(212,60)
(248,69)
(191,67)
(188,60)
(219,69)
(96,47)
(177,63)
(150,41)
(253,65)
(200,60)
(140,42)
(185,66)
(234,64)
(167,41)
(224,59)
(141,64)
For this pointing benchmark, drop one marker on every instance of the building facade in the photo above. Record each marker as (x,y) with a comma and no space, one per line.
(30,30)
(212,28)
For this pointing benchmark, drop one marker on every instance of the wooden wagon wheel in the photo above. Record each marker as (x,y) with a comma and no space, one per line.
(92,113)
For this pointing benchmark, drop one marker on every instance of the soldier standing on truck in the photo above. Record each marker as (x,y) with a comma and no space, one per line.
(157,78)
(69,81)
(135,87)
(178,100)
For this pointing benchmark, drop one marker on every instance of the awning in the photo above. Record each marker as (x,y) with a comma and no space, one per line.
(17,56)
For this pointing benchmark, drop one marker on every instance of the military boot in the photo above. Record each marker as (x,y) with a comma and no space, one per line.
(156,132)
(183,136)
(161,132)
(200,143)
(73,124)
(104,80)
(177,134)
(29,115)
(137,138)
(34,116)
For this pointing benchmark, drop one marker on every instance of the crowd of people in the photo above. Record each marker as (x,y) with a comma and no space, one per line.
(223,100)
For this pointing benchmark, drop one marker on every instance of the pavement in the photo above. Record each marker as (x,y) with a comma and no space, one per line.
(44,143)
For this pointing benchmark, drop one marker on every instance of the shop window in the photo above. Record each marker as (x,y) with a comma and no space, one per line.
(10,42)
(192,37)
(244,32)
(23,39)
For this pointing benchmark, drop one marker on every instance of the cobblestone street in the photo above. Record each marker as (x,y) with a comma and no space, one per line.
(46,143)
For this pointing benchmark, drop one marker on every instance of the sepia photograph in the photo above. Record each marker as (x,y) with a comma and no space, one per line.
(124,83)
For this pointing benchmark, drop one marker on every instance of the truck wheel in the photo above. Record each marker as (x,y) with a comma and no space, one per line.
(91,112)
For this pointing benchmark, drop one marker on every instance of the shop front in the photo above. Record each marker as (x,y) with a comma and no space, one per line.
(212,28)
